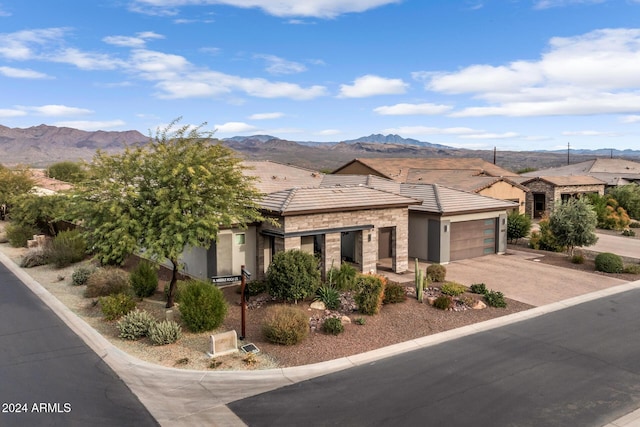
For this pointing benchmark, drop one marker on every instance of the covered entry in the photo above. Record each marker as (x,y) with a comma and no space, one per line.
(471,239)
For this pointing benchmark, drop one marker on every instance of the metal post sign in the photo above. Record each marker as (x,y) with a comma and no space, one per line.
(221,280)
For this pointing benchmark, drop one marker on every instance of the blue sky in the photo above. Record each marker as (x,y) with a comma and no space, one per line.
(529,74)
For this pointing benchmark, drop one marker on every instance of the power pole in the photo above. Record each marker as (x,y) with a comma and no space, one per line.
(568,148)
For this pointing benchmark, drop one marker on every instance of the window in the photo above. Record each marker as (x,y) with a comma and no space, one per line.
(240,239)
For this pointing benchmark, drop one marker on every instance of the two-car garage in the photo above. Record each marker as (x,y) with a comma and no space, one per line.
(470,239)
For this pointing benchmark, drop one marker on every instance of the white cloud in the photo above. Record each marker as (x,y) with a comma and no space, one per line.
(590,133)
(282,8)
(329,132)
(593,73)
(25,45)
(426,130)
(86,60)
(54,110)
(630,119)
(266,116)
(488,135)
(235,127)
(277,65)
(22,73)
(547,4)
(4,13)
(91,125)
(412,109)
(6,113)
(370,85)
(134,42)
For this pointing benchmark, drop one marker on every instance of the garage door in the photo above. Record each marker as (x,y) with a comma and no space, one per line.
(471,239)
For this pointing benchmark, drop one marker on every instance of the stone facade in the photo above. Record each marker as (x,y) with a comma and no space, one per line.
(553,194)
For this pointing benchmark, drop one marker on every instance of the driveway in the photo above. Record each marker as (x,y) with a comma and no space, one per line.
(623,246)
(520,277)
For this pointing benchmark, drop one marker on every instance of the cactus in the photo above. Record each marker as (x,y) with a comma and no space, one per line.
(419,282)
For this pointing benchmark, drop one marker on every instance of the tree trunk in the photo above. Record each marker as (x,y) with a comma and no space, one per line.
(172,284)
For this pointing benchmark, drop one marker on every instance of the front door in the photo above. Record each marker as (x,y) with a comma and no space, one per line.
(539,205)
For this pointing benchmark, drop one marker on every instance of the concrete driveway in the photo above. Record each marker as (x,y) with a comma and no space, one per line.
(623,246)
(520,277)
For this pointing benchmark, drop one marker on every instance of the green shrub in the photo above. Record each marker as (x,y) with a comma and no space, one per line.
(253,288)
(333,326)
(19,234)
(544,239)
(329,296)
(144,279)
(443,302)
(495,299)
(577,259)
(35,257)
(66,248)
(478,288)
(436,272)
(165,332)
(81,275)
(202,306)
(107,281)
(285,325)
(361,321)
(115,306)
(180,287)
(394,293)
(609,263)
(634,224)
(452,289)
(344,278)
(518,226)
(628,233)
(369,293)
(632,269)
(293,275)
(135,325)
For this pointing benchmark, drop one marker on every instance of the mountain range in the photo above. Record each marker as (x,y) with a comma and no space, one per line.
(42,145)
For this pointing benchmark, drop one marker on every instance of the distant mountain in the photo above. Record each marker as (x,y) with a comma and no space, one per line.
(42,145)
(261,138)
(393,139)
(603,152)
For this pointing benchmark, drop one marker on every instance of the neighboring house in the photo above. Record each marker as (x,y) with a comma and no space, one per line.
(448,224)
(546,191)
(466,174)
(45,186)
(612,171)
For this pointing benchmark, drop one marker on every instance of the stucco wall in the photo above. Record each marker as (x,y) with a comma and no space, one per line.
(505,191)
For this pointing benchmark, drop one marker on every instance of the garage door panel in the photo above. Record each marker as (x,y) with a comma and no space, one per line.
(471,239)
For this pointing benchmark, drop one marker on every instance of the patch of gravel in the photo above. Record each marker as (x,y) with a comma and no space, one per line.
(395,323)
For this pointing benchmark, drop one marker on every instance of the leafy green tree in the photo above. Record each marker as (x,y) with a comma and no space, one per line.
(13,183)
(67,171)
(628,197)
(518,226)
(177,190)
(573,224)
(40,212)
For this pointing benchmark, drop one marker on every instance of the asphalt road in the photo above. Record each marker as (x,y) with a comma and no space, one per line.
(578,366)
(49,376)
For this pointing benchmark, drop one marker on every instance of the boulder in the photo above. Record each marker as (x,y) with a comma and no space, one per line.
(318,305)
(479,305)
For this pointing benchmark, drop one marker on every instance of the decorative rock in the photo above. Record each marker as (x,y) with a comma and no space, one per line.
(345,320)
(318,305)
(479,305)
(431,300)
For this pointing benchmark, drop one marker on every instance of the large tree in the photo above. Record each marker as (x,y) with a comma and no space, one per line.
(13,183)
(178,190)
(573,224)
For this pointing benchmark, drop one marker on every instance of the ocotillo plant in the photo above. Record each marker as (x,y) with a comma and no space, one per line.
(419,281)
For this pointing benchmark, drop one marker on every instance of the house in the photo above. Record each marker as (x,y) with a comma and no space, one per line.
(448,224)
(466,174)
(612,172)
(546,191)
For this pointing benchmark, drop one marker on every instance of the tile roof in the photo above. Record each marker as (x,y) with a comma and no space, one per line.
(566,180)
(298,201)
(399,168)
(372,181)
(445,200)
(273,176)
(611,171)
(460,179)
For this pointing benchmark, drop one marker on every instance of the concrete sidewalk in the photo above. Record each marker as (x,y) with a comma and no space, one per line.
(185,398)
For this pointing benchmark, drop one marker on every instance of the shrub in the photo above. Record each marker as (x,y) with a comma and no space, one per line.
(165,332)
(66,248)
(544,239)
(369,293)
(180,287)
(478,288)
(285,325)
(19,234)
(293,275)
(329,296)
(628,233)
(518,226)
(452,289)
(632,269)
(253,288)
(577,259)
(344,278)
(202,306)
(135,325)
(436,272)
(144,279)
(609,263)
(115,306)
(443,302)
(35,257)
(394,293)
(333,326)
(81,275)
(634,224)
(361,321)
(495,299)
(107,281)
